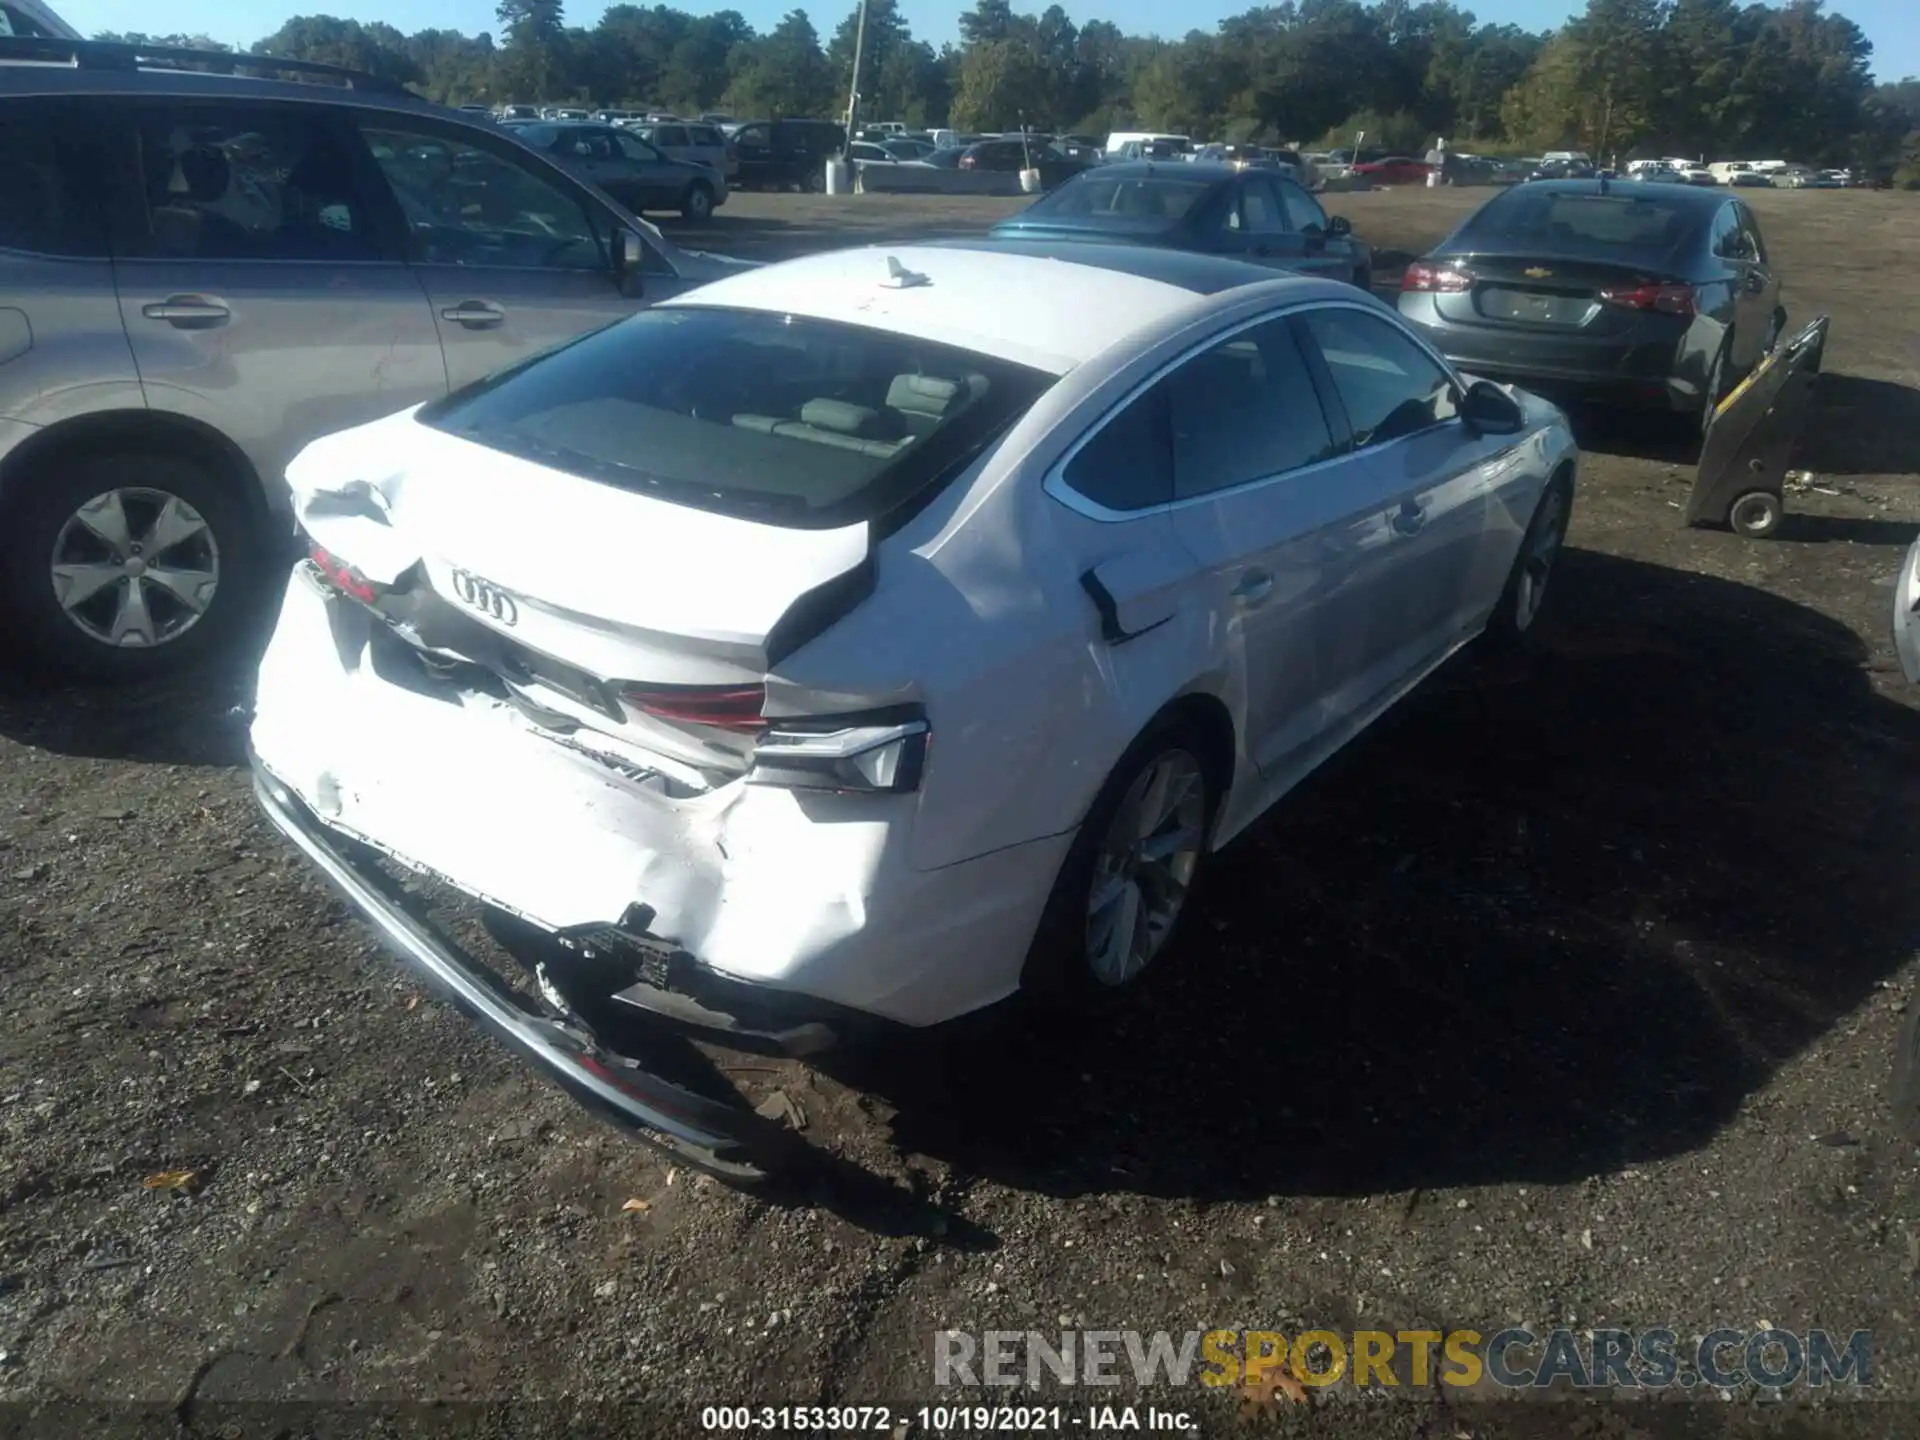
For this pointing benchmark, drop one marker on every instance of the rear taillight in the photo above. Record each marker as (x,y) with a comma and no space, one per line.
(854,755)
(1667,299)
(723,707)
(1435,279)
(343,577)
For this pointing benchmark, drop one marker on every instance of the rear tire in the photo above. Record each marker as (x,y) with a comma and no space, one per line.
(1528,587)
(696,205)
(1081,958)
(158,549)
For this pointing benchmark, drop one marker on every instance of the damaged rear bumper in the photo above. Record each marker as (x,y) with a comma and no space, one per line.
(727,1139)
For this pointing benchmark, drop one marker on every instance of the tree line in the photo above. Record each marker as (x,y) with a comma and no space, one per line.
(1626,77)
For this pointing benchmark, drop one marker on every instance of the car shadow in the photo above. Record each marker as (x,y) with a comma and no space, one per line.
(195,717)
(1861,426)
(1549,918)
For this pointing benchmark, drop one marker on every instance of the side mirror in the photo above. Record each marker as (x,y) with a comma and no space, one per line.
(633,260)
(1486,409)
(1339,225)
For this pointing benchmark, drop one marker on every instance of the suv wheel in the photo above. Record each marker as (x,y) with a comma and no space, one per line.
(120,565)
(697,204)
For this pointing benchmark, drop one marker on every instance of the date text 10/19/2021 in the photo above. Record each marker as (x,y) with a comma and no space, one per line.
(946,1419)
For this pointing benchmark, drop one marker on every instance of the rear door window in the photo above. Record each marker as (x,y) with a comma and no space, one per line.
(779,418)
(250,182)
(1127,464)
(1258,212)
(48,182)
(1244,410)
(670,137)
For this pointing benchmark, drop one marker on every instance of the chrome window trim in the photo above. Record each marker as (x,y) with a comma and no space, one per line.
(1055,485)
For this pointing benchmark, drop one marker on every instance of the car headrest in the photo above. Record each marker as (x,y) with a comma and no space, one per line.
(837,415)
(933,396)
(204,173)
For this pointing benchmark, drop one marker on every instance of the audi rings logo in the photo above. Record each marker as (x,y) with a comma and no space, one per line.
(485,596)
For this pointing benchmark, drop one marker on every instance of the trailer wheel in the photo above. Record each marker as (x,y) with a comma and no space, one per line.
(1756,514)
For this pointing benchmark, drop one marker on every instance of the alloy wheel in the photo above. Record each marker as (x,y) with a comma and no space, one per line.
(1536,561)
(1144,867)
(135,568)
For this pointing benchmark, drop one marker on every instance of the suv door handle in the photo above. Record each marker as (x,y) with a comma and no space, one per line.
(475,314)
(187,312)
(1254,587)
(1410,517)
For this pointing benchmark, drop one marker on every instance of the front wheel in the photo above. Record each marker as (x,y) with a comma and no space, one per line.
(696,205)
(1128,878)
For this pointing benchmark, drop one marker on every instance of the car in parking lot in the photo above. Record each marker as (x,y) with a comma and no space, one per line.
(1251,214)
(1648,294)
(630,168)
(692,141)
(783,154)
(199,273)
(860,641)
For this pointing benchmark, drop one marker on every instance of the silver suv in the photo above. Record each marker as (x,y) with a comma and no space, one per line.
(201,272)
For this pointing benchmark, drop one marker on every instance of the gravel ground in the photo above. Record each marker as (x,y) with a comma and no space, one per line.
(1565,996)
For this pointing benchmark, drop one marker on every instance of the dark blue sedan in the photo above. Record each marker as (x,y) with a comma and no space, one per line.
(1254,215)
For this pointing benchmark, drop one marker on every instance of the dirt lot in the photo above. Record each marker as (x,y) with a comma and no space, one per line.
(1566,996)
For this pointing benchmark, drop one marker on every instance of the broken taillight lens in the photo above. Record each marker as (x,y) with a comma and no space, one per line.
(724,707)
(344,577)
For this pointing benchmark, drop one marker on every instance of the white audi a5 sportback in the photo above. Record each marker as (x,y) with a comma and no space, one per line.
(871,636)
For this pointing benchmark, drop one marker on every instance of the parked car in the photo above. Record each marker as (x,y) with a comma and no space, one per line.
(1254,215)
(1750,180)
(1393,170)
(691,141)
(1562,170)
(1013,154)
(783,154)
(969,626)
(909,148)
(627,167)
(214,269)
(872,152)
(1654,295)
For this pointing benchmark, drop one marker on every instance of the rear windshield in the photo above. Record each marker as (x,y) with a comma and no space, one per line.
(1157,198)
(776,418)
(1596,225)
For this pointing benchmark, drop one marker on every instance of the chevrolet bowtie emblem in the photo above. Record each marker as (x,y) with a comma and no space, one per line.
(1537,273)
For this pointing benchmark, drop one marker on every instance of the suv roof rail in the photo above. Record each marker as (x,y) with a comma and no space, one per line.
(120,55)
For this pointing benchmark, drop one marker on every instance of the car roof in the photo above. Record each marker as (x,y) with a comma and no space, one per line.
(1049,306)
(1689,195)
(1163,170)
(62,80)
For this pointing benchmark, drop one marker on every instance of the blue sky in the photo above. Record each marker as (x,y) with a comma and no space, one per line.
(1892,25)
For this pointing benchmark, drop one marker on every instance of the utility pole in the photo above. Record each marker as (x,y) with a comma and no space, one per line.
(853,95)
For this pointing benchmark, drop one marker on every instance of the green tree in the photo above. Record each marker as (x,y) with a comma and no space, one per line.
(533,66)
(376,49)
(782,73)
(999,80)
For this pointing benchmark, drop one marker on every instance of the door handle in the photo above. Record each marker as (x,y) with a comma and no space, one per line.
(475,314)
(1410,518)
(187,312)
(1254,587)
